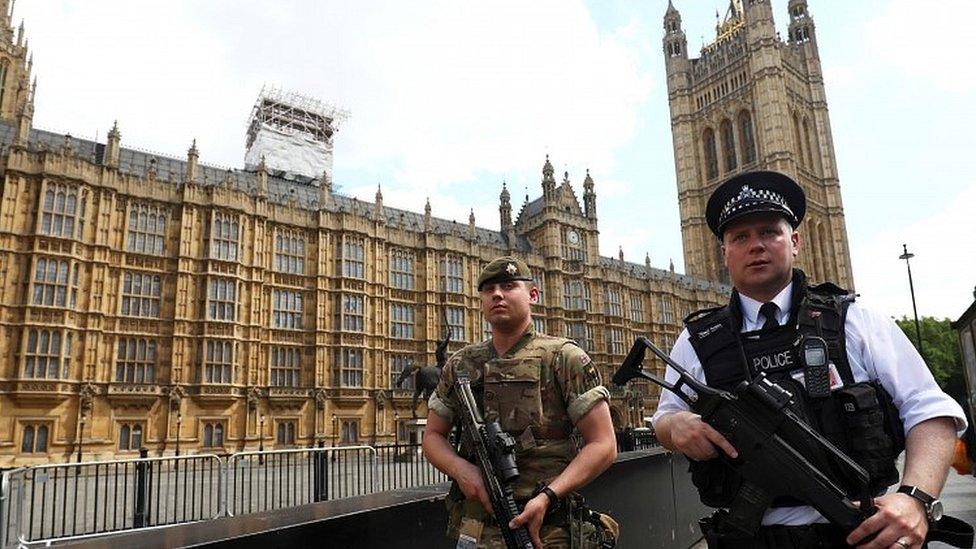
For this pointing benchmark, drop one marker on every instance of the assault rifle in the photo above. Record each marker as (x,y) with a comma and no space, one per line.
(778,453)
(495,453)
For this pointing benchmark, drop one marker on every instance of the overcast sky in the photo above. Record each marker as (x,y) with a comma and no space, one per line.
(450,98)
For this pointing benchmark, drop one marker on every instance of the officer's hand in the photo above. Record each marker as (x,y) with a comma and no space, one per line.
(696,439)
(468,477)
(531,517)
(899,517)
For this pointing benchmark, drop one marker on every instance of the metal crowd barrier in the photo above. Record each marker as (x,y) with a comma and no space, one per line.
(47,503)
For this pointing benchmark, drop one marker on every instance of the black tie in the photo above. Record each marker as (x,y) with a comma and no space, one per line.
(768,310)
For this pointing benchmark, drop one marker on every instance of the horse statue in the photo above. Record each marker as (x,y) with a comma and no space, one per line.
(425,378)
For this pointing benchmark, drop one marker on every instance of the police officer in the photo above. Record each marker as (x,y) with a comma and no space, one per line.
(875,394)
(539,388)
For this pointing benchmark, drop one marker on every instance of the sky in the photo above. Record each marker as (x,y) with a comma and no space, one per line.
(449,99)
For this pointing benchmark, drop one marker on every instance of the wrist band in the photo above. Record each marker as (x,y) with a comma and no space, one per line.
(553,498)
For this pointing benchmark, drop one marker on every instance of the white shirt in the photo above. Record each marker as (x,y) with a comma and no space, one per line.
(876,349)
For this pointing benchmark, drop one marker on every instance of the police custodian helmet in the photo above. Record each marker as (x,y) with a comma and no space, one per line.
(755,192)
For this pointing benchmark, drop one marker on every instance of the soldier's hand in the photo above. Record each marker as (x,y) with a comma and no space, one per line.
(531,517)
(899,522)
(468,477)
(696,439)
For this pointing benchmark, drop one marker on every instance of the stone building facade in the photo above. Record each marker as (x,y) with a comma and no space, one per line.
(754,101)
(157,302)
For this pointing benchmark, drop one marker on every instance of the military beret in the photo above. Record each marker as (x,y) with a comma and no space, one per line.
(503,269)
(752,193)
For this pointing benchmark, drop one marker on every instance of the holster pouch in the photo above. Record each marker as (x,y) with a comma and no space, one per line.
(590,529)
(874,432)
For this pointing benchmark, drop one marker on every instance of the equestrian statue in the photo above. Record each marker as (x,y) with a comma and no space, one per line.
(425,378)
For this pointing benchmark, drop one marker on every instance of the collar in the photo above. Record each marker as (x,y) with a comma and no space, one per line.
(750,307)
(522,342)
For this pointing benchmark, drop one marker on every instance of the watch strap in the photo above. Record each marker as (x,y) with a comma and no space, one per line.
(927,500)
(551,495)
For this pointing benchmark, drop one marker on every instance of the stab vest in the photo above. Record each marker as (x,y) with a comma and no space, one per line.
(859,418)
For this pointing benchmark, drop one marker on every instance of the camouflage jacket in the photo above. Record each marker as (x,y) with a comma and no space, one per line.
(537,390)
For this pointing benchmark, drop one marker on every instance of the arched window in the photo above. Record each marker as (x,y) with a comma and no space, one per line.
(800,158)
(27,445)
(218,434)
(728,145)
(208,435)
(808,143)
(747,139)
(136,442)
(290,432)
(124,437)
(825,250)
(281,433)
(711,156)
(41,444)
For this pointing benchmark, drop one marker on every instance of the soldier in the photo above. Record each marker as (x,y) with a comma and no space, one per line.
(875,392)
(539,388)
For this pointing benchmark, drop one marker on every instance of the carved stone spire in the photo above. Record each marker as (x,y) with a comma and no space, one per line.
(378,204)
(112,145)
(548,181)
(192,158)
(427,223)
(589,197)
(262,178)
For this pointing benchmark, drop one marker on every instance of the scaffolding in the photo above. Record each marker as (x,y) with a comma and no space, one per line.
(292,133)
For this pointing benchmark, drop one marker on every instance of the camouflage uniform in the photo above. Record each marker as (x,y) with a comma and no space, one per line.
(538,391)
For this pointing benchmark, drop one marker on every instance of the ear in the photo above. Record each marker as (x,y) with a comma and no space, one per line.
(534,294)
(795,239)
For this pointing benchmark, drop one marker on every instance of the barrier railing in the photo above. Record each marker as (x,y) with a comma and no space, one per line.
(45,503)
(259,481)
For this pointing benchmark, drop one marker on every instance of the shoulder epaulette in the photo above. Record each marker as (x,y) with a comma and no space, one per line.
(702,313)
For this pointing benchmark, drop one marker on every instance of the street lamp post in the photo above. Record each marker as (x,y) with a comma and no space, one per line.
(911,286)
(261,440)
(396,434)
(335,428)
(179,423)
(81,433)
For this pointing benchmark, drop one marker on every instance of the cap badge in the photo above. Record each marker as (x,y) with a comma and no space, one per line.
(512,269)
(746,192)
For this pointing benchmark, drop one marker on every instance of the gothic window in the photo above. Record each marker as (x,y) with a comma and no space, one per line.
(401,269)
(3,80)
(289,252)
(351,312)
(667,311)
(63,211)
(352,256)
(711,155)
(350,431)
(213,435)
(577,332)
(747,138)
(47,355)
(225,232)
(287,309)
(141,294)
(222,299)
(402,320)
(286,366)
(800,157)
(485,329)
(452,274)
(614,303)
(218,364)
(51,283)
(397,364)
(34,439)
(135,361)
(146,232)
(615,341)
(454,321)
(636,307)
(130,437)
(728,145)
(539,324)
(808,142)
(286,433)
(348,368)
(576,295)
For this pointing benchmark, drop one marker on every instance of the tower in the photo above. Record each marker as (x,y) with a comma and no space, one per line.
(751,101)
(16,90)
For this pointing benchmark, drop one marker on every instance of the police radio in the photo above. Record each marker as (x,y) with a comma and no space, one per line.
(816,366)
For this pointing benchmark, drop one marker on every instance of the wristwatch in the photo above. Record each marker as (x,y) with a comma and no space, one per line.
(551,495)
(933,506)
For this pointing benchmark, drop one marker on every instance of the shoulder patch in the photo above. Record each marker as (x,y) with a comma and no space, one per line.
(702,313)
(585,359)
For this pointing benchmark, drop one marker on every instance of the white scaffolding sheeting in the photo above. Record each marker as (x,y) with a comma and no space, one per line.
(293,133)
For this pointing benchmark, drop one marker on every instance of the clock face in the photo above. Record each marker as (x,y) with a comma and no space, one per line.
(573,237)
